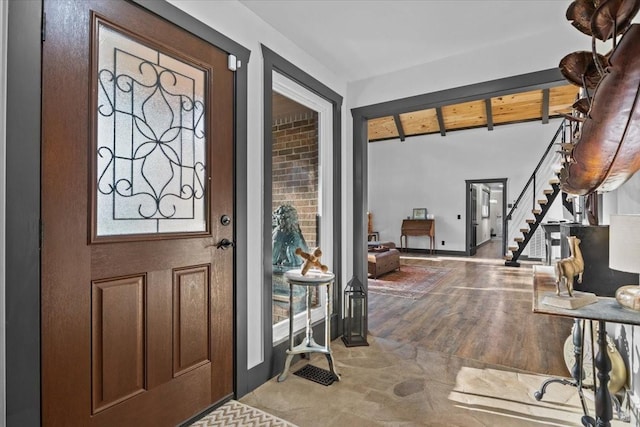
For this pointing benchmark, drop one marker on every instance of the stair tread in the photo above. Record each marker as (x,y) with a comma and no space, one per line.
(541,207)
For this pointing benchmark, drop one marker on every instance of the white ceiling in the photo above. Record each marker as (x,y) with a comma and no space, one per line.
(358,39)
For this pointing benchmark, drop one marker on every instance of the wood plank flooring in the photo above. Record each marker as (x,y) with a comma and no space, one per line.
(453,358)
(481,312)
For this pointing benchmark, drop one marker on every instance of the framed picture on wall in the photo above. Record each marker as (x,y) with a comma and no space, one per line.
(419,213)
(485,203)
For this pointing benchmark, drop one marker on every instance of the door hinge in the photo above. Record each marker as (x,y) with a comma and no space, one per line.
(233,63)
(43,27)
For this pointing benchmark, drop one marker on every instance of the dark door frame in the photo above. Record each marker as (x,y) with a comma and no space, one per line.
(22,268)
(484,90)
(468,184)
(274,357)
(24,70)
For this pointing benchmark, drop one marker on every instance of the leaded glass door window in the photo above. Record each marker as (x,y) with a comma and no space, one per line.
(151,155)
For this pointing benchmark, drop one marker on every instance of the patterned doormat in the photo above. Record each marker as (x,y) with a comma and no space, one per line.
(409,282)
(236,414)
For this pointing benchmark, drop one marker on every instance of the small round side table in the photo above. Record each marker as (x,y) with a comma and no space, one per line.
(318,279)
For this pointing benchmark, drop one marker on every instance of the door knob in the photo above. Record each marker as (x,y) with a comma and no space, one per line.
(225,244)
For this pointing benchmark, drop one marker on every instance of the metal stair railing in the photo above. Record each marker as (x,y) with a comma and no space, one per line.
(533,190)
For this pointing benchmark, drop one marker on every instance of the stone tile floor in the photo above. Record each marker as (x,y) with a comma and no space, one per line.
(394,384)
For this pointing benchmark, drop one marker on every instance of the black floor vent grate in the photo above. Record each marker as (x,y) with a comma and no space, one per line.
(318,375)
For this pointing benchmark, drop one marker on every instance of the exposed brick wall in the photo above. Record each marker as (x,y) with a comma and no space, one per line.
(295,169)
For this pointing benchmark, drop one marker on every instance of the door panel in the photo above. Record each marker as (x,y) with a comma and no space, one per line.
(118,337)
(137,326)
(191,319)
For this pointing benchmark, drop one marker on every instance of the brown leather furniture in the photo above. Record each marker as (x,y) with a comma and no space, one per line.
(382,258)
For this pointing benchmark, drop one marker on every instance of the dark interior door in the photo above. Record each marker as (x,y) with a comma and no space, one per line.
(474,220)
(137,192)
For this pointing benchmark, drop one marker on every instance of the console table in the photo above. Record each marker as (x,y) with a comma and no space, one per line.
(606,309)
(419,227)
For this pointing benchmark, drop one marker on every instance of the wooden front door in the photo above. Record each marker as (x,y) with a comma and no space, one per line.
(137,194)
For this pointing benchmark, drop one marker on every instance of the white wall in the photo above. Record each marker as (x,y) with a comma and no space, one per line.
(627,196)
(484,224)
(496,212)
(430,171)
(235,21)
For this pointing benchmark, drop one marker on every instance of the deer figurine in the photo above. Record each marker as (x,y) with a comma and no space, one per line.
(569,268)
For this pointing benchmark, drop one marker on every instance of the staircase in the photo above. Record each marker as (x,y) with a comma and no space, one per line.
(536,198)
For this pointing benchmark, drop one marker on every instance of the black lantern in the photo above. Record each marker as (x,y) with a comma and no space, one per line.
(355,300)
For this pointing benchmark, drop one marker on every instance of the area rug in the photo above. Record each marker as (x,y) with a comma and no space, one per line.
(236,414)
(409,282)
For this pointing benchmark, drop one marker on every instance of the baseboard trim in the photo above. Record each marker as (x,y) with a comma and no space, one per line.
(436,252)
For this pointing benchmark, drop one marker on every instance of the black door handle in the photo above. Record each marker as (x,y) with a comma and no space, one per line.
(225,244)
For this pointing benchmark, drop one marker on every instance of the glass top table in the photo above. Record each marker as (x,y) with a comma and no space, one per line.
(605,309)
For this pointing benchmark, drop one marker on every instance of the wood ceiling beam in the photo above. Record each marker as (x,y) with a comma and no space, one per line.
(487,104)
(396,118)
(443,131)
(530,81)
(545,106)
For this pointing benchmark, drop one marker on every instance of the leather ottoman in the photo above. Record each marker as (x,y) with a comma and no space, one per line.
(373,245)
(383,262)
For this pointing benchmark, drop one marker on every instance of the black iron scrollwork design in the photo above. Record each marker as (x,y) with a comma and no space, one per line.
(156,155)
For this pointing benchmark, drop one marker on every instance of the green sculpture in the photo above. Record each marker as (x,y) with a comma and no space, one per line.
(286,238)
